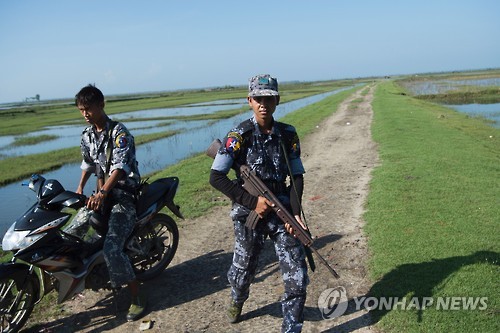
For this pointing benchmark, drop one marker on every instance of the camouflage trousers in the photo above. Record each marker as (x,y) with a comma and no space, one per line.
(121,223)
(291,255)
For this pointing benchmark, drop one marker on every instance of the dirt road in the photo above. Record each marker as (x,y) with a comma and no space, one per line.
(191,295)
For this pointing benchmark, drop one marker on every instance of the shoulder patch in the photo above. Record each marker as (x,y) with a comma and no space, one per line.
(295,143)
(121,140)
(233,142)
(290,136)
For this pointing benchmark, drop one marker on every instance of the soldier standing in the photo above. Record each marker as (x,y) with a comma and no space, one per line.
(272,150)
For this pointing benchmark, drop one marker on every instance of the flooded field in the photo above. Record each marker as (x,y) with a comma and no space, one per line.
(432,87)
(194,138)
(428,87)
(69,136)
(488,111)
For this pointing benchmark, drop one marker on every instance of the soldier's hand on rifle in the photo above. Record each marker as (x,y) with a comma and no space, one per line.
(289,228)
(264,207)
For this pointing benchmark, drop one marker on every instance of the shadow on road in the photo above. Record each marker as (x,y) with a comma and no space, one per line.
(179,284)
(418,280)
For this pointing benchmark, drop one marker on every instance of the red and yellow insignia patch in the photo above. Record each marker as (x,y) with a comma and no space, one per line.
(295,144)
(121,140)
(233,142)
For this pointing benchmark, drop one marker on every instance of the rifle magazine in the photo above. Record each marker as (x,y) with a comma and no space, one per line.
(252,220)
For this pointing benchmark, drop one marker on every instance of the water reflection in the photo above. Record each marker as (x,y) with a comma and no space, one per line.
(69,135)
(433,87)
(489,111)
(195,109)
(241,101)
(15,199)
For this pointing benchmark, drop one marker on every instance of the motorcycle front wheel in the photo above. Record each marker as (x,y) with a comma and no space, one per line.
(16,303)
(154,247)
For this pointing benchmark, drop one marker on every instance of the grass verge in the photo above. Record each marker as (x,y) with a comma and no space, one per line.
(432,214)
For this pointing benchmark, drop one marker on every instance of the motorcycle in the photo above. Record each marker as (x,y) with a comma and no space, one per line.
(47,258)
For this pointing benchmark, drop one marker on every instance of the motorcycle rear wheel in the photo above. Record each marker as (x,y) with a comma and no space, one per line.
(16,303)
(158,242)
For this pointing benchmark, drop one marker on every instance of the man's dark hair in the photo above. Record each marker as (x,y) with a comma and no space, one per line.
(89,95)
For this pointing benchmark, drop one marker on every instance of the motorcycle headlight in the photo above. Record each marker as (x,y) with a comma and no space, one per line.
(15,240)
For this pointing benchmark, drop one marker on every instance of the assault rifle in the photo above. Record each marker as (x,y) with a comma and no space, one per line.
(255,186)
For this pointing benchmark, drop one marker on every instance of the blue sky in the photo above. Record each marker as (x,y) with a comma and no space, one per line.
(53,48)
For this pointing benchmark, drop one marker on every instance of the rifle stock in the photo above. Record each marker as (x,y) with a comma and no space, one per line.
(255,186)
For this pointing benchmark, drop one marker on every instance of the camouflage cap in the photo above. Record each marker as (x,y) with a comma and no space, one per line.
(262,85)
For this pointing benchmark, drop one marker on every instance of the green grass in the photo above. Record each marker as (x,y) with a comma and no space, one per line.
(455,92)
(17,168)
(433,213)
(466,95)
(32,140)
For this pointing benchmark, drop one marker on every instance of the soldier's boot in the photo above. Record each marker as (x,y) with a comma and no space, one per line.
(234,312)
(137,308)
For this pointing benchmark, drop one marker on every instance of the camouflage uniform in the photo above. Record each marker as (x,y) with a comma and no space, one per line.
(245,144)
(123,215)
